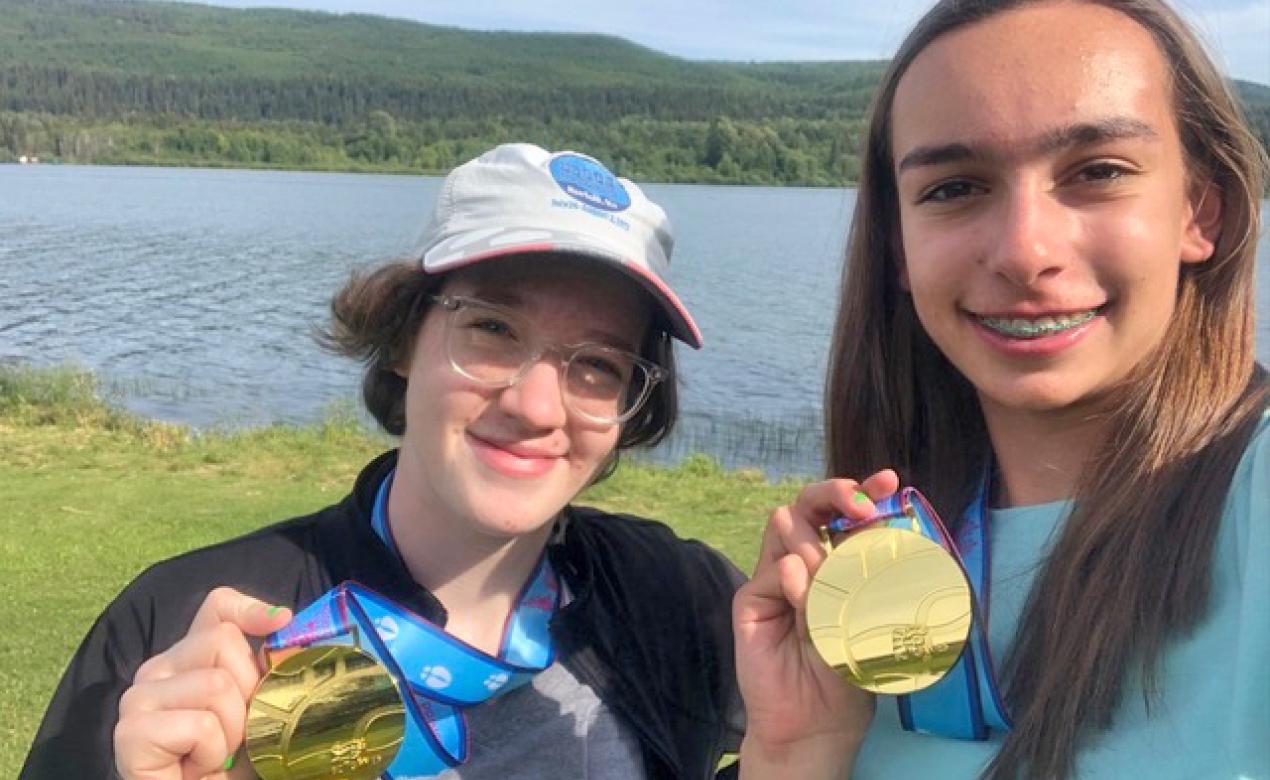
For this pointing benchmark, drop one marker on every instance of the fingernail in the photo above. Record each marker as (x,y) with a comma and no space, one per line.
(860,497)
(273,611)
(229,763)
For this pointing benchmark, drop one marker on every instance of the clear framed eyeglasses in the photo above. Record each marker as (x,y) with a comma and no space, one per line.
(495,346)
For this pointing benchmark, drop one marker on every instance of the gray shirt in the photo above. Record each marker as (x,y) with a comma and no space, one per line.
(553,727)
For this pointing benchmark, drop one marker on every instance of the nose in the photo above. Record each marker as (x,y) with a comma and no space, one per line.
(537,399)
(1029,237)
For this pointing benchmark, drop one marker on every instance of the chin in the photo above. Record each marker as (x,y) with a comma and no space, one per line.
(1038,394)
(512,516)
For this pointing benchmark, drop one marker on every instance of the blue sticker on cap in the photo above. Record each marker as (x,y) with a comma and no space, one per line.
(585,180)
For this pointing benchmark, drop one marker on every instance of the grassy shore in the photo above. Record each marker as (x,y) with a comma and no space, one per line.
(90,496)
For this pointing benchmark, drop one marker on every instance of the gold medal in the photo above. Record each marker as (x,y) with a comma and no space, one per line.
(328,712)
(889,610)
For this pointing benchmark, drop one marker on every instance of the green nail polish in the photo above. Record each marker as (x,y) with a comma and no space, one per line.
(229,763)
(860,496)
(273,611)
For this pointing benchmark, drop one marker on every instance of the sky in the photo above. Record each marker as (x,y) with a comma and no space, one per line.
(1237,31)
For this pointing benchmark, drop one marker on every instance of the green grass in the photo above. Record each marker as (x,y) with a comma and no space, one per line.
(89,496)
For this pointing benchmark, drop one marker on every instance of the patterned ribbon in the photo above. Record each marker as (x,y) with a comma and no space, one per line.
(438,675)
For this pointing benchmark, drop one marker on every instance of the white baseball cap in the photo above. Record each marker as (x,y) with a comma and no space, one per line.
(521,199)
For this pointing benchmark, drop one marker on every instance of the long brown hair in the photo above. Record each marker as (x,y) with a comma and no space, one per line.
(1132,567)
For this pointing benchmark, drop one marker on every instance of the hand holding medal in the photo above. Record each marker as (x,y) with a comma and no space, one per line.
(800,716)
(896,606)
(163,728)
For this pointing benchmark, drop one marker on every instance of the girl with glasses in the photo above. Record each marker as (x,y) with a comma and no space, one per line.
(516,358)
(1046,326)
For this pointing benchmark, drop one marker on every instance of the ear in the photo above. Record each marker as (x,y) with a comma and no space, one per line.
(1202,226)
(402,367)
(407,354)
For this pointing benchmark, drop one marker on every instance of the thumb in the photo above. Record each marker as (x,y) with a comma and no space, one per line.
(251,615)
(263,619)
(795,580)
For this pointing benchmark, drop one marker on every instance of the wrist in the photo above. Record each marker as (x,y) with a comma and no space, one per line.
(821,757)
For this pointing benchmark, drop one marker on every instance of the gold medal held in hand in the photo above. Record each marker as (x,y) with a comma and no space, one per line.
(889,609)
(329,712)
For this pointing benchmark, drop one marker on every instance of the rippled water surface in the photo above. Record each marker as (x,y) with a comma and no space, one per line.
(194,292)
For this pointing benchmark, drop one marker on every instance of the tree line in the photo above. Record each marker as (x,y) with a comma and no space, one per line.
(27,87)
(127,82)
(785,151)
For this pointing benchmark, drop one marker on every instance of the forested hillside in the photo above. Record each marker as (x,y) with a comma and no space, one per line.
(148,82)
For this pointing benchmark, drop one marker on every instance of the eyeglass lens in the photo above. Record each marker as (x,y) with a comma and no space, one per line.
(494,347)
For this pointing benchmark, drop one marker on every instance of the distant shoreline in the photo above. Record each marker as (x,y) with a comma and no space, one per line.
(222,165)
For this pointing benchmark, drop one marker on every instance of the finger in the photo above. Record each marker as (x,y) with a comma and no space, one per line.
(195,773)
(772,547)
(761,598)
(762,621)
(223,646)
(241,768)
(213,689)
(799,535)
(169,745)
(820,502)
(881,484)
(795,581)
(253,616)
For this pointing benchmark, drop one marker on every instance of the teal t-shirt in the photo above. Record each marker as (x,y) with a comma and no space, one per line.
(1213,717)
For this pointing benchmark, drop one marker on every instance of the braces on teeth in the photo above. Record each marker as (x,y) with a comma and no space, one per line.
(1036,328)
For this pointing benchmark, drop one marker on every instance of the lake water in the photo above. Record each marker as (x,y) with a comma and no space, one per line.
(193,293)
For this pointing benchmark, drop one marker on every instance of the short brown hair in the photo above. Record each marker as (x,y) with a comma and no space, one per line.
(376,316)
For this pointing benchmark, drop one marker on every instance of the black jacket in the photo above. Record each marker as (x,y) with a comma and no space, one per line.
(648,627)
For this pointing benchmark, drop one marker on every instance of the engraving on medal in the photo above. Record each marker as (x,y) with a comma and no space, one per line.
(911,642)
(889,610)
(348,757)
(325,713)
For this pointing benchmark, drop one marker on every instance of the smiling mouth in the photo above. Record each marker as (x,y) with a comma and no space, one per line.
(1036,327)
(513,460)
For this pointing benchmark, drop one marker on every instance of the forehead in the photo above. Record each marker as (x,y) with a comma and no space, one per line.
(1020,74)
(580,298)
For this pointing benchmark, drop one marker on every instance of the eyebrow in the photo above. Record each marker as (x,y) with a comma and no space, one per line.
(511,300)
(606,339)
(496,295)
(1079,134)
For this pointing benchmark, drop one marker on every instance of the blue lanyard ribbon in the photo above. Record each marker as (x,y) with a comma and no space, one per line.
(967,702)
(437,675)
